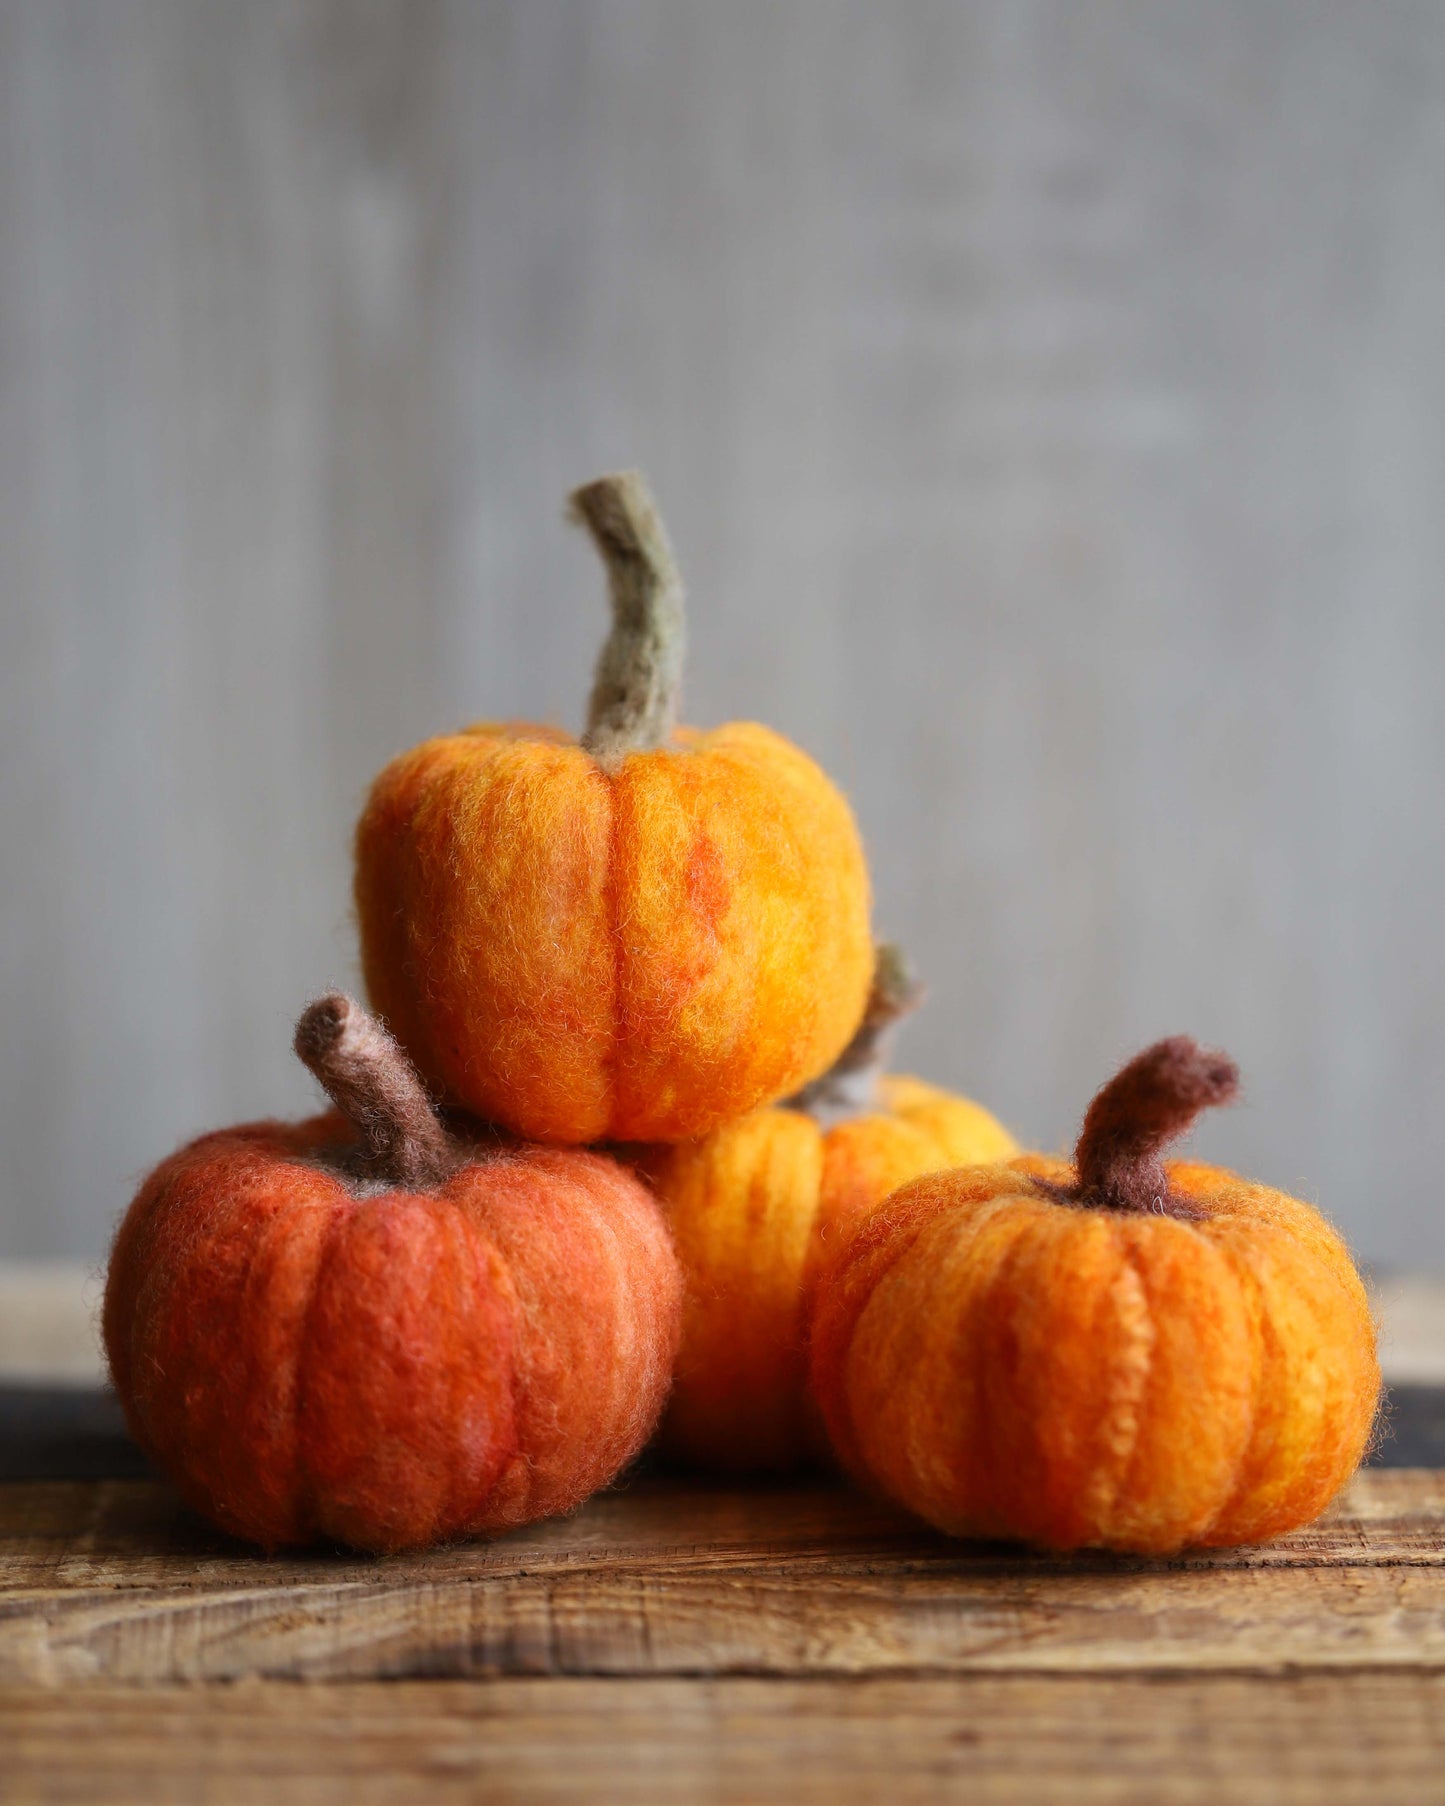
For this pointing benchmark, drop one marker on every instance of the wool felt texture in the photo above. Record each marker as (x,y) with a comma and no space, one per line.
(759,1206)
(633,707)
(636,938)
(1117,1353)
(361,1328)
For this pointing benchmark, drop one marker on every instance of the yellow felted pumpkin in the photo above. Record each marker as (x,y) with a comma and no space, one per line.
(756,1209)
(1116,1353)
(637,937)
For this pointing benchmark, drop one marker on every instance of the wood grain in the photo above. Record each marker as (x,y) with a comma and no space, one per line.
(1355,1740)
(112,1582)
(676,1642)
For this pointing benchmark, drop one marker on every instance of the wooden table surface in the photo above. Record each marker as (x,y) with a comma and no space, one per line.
(678,1641)
(681,1642)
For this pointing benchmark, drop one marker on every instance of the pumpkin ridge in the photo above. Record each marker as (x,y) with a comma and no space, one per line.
(1144,1343)
(514,1483)
(252,1282)
(841,1395)
(990,1329)
(611,1062)
(1124,1319)
(798,798)
(468,1230)
(1213,1381)
(1255,1509)
(308,1513)
(165,1307)
(998,1332)
(1266,1345)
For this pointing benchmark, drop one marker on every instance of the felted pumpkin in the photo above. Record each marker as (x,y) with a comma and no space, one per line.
(364,1329)
(637,937)
(758,1206)
(1117,1353)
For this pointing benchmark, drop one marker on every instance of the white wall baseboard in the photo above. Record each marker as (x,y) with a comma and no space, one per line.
(50,1318)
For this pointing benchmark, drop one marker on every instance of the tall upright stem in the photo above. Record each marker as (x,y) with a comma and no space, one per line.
(639,672)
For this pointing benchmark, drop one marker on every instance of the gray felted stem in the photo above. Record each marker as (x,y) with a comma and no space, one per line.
(639,673)
(373,1085)
(849,1086)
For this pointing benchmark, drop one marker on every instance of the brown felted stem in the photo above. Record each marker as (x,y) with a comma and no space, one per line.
(372,1084)
(1150,1103)
(639,673)
(849,1085)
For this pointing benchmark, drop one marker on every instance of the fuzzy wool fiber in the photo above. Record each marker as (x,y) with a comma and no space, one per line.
(636,951)
(312,1358)
(1008,1361)
(756,1210)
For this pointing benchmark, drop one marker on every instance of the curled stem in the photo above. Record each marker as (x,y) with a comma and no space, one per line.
(373,1085)
(1151,1102)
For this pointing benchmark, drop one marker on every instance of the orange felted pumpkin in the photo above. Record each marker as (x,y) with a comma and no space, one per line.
(360,1328)
(757,1207)
(636,937)
(1117,1353)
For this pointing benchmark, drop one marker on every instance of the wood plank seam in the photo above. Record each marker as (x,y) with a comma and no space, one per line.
(114,1582)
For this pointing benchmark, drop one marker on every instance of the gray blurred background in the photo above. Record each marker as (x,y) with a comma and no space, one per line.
(1048,403)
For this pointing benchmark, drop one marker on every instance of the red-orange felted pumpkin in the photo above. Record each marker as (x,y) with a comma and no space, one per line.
(361,1328)
(634,938)
(1118,1353)
(759,1205)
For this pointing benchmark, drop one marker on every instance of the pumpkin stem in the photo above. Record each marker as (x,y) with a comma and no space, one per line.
(373,1085)
(1151,1102)
(639,672)
(847,1088)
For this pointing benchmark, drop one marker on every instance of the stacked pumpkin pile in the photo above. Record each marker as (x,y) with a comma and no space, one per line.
(440,1309)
